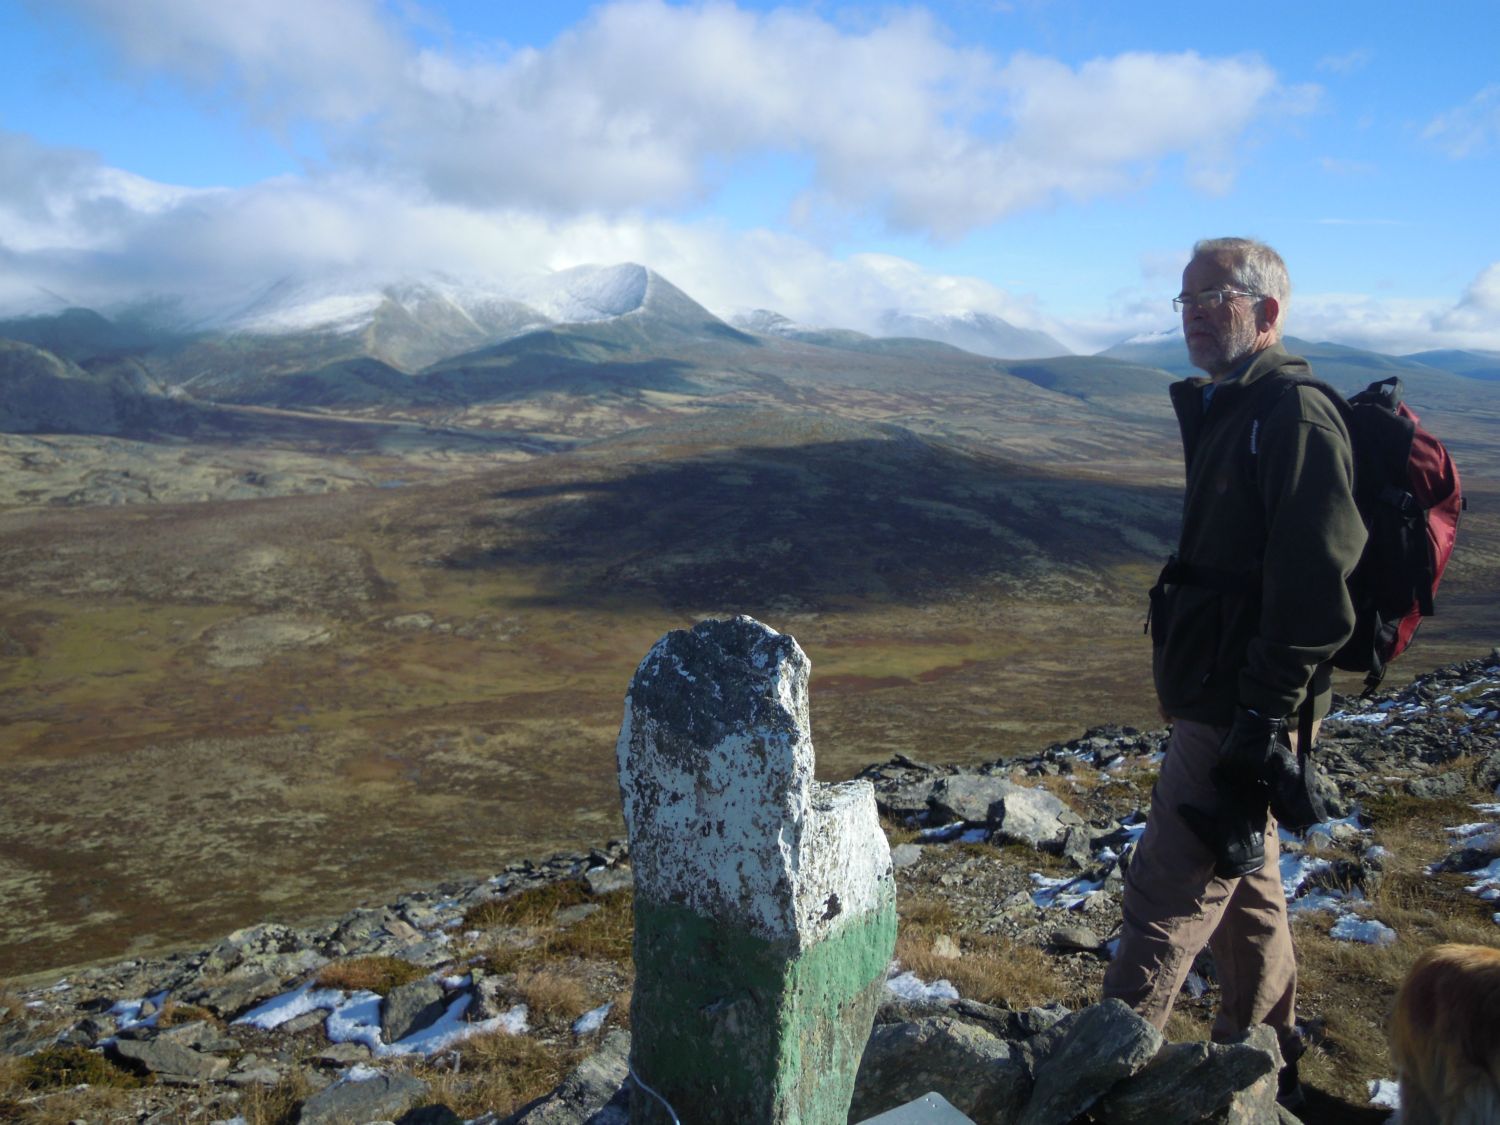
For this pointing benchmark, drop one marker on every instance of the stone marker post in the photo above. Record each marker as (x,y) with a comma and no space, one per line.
(765,908)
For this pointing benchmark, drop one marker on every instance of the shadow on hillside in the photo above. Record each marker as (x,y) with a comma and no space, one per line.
(501,377)
(823,526)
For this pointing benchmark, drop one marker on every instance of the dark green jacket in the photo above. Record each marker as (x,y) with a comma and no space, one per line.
(1283,518)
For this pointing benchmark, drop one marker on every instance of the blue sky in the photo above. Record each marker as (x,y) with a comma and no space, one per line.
(1046,160)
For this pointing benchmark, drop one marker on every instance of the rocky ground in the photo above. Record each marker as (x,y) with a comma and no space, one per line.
(1008,876)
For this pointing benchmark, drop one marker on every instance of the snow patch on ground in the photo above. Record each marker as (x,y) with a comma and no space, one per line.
(591,1020)
(289,1005)
(908,986)
(1385,1093)
(1350,927)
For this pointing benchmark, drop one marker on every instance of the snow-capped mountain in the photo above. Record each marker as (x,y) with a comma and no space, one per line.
(979,332)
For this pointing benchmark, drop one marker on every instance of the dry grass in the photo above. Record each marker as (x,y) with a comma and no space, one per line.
(497,1073)
(372,974)
(990,969)
(278,1104)
(1352,986)
(65,1107)
(174,1014)
(926,914)
(535,906)
(1071,789)
(897,834)
(551,997)
(11,1004)
(56,1068)
(605,935)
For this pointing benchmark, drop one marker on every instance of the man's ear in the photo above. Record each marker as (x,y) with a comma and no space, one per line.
(1268,319)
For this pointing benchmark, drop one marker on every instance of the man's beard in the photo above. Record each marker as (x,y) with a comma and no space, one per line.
(1223,351)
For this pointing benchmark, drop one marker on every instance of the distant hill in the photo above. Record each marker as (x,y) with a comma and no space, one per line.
(1474,364)
(1348,369)
(74,334)
(978,332)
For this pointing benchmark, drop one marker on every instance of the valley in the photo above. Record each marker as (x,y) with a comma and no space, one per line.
(274,650)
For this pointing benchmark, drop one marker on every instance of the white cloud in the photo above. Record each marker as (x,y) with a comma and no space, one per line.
(1478,311)
(331,60)
(1469,129)
(637,105)
(66,198)
(99,237)
(216,249)
(1348,62)
(1401,325)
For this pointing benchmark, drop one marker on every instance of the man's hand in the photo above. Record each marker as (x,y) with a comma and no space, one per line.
(1248,750)
(1254,760)
(1234,831)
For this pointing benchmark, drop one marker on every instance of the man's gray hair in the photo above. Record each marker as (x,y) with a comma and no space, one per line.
(1257,268)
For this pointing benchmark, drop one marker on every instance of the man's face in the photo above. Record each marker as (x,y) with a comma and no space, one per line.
(1218,339)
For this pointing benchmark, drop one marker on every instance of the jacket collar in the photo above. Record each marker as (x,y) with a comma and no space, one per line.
(1187,394)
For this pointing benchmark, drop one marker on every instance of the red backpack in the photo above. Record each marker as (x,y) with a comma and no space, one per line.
(1406,488)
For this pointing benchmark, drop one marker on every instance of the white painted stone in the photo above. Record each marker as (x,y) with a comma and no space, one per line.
(716,773)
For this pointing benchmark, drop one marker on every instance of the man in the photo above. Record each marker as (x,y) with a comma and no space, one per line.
(1242,622)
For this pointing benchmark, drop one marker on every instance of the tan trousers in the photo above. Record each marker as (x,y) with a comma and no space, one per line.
(1174,905)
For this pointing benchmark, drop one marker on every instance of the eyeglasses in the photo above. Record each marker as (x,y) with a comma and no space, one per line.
(1208,298)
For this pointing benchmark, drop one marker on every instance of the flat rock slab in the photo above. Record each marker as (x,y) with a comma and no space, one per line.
(381,1098)
(597,1085)
(1188,1082)
(929,1109)
(1018,814)
(1083,1056)
(168,1060)
(979,1073)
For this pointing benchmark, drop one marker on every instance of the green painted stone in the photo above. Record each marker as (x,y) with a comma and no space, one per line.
(733,1028)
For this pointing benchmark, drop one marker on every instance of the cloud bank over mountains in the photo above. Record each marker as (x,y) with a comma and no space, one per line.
(428,152)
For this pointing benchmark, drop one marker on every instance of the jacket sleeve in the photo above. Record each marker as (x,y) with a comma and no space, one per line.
(1314,536)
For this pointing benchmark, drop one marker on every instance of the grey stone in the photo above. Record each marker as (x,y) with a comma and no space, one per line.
(239,992)
(490,999)
(365,1100)
(1082,1056)
(904,855)
(1188,1082)
(430,1115)
(902,802)
(411,1007)
(1487,775)
(361,926)
(929,1109)
(306,1021)
(1021,815)
(597,1085)
(342,1054)
(261,1074)
(970,798)
(200,1035)
(1036,817)
(170,1062)
(607,880)
(1076,938)
(1076,847)
(976,1071)
(571,915)
(1448,784)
